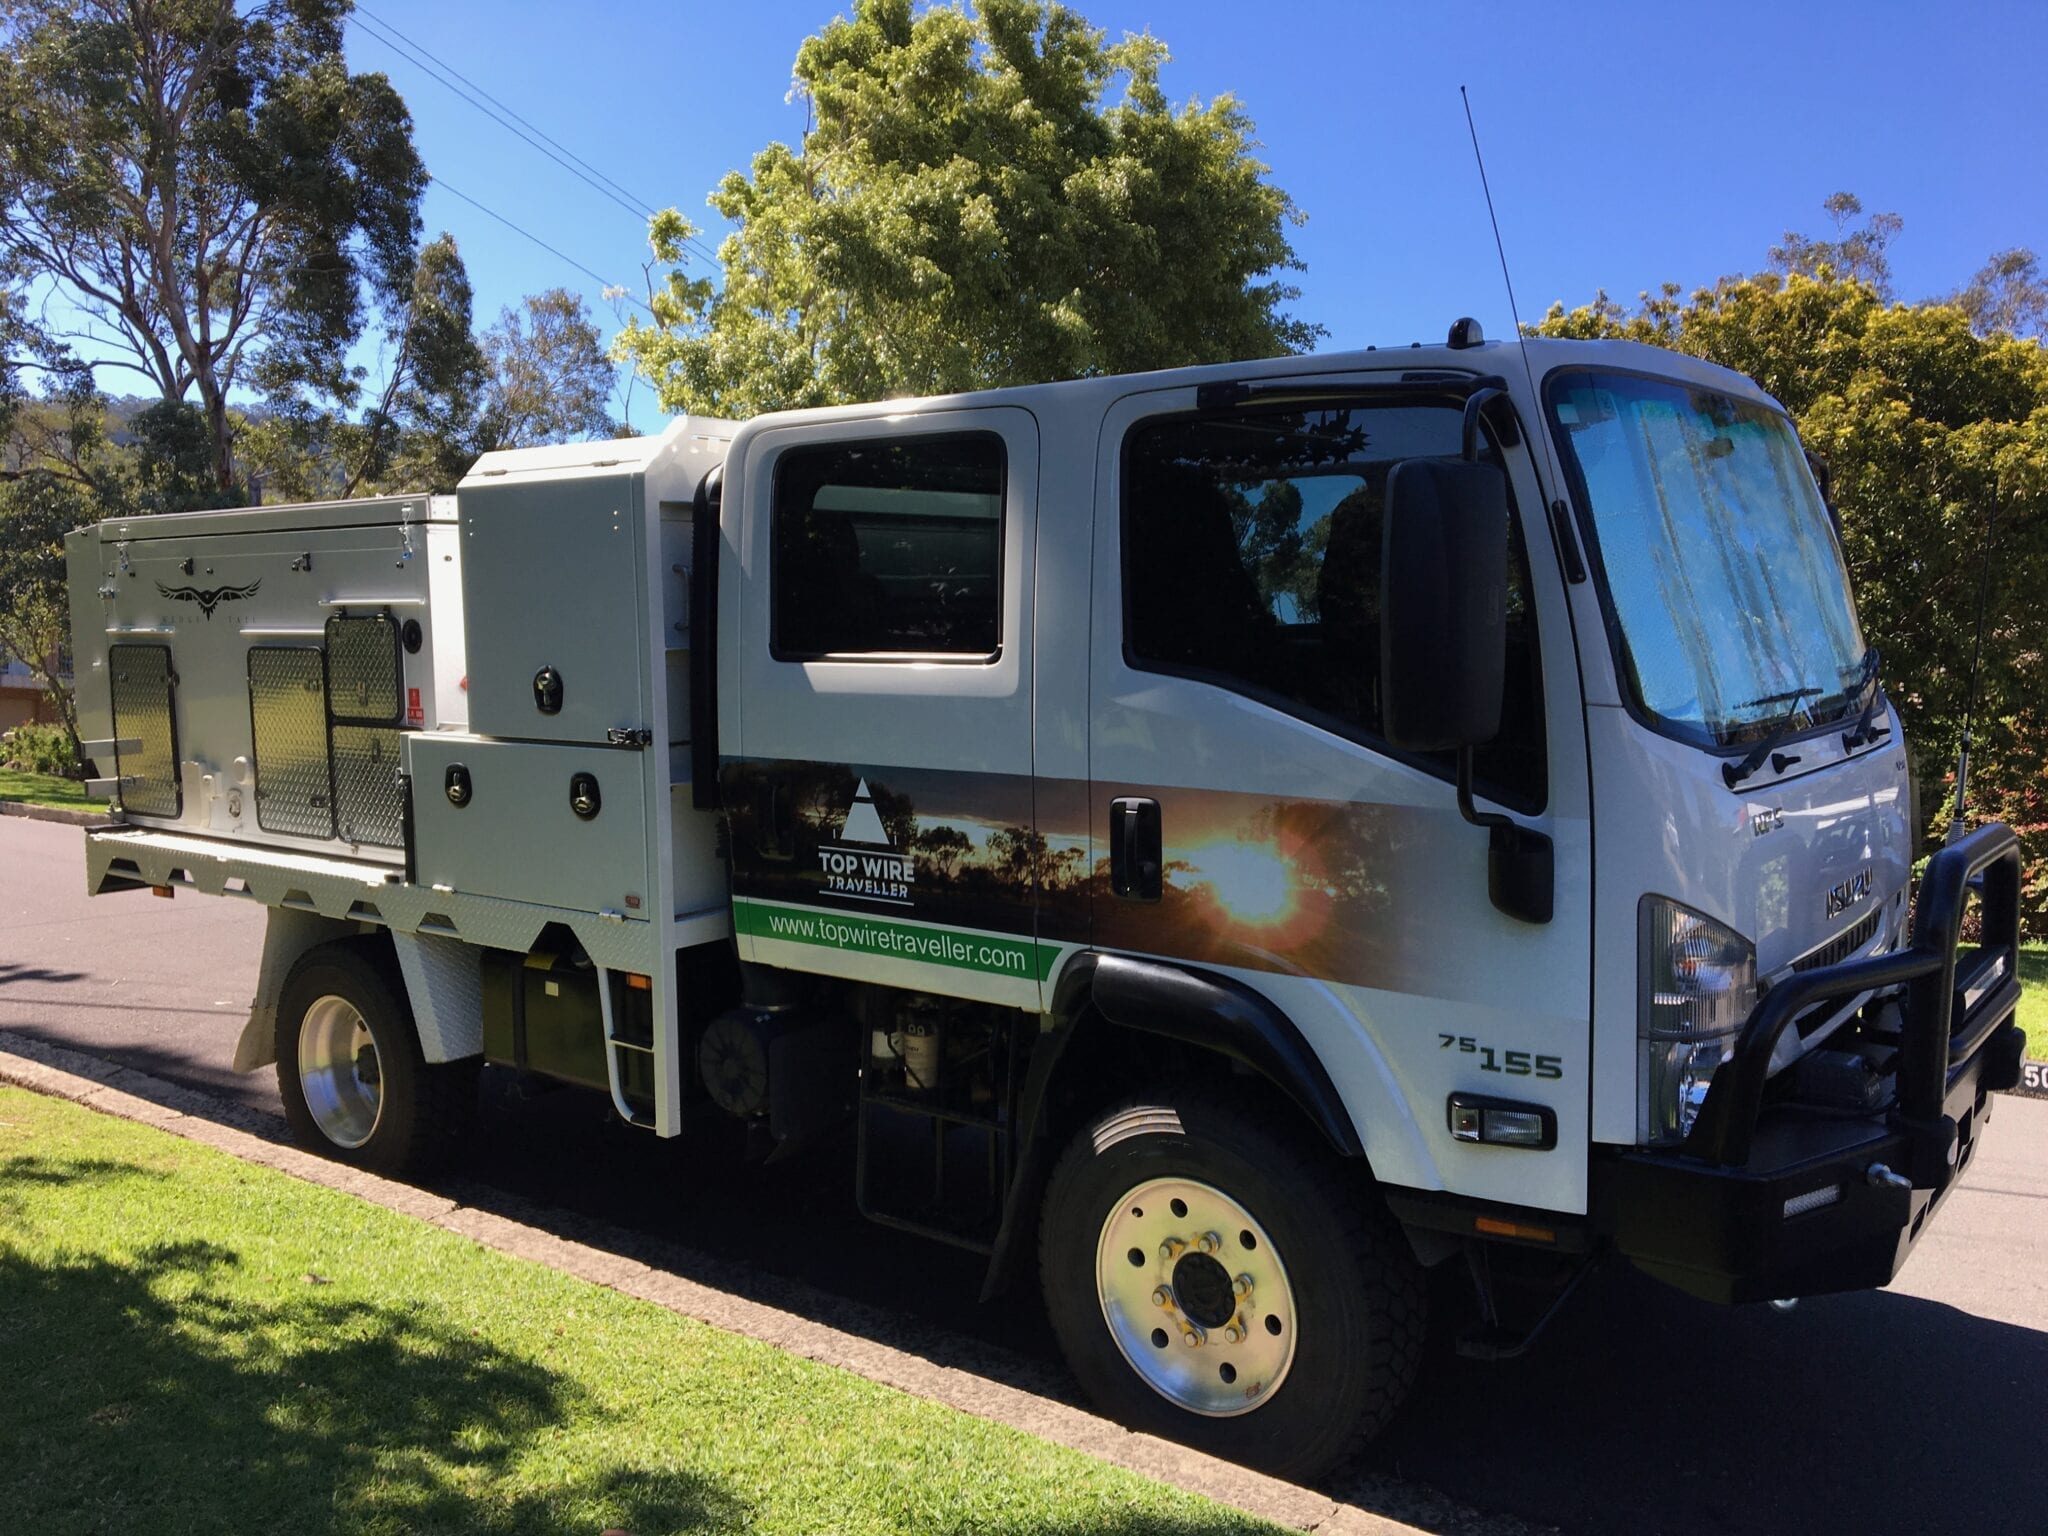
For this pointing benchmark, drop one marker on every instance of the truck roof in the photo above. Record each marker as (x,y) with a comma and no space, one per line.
(362,512)
(1488,357)
(706,437)
(684,435)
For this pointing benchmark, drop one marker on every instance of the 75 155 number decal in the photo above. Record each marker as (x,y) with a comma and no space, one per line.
(1513,1063)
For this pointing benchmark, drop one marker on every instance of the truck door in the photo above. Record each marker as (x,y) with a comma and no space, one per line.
(878,744)
(1234,739)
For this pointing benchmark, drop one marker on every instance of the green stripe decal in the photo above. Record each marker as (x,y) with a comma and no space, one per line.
(992,954)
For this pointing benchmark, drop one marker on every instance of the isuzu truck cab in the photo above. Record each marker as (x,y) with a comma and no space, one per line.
(1236,840)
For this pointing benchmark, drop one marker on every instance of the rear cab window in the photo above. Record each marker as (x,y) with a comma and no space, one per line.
(888,547)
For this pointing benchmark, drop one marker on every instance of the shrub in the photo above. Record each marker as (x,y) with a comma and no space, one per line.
(39,749)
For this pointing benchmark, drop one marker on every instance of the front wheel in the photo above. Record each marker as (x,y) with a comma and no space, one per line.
(1217,1281)
(349,1070)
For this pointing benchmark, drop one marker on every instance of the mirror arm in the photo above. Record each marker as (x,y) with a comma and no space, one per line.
(1475,407)
(1466,808)
(1521,873)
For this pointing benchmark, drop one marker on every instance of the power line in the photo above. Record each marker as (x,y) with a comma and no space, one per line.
(536,239)
(510,120)
(638,212)
(487,96)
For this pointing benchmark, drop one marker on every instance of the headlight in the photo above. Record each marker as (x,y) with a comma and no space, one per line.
(1698,985)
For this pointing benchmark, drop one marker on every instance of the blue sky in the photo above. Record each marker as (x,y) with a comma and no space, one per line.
(1627,144)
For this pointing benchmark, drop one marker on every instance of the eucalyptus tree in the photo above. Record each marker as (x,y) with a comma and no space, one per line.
(217,200)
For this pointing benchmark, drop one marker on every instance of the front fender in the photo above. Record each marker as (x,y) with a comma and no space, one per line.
(1226,1016)
(1180,1003)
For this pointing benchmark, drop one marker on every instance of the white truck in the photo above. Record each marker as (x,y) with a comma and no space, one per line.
(1249,835)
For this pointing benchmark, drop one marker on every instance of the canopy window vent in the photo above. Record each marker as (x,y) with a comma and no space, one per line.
(362,669)
(140,686)
(288,728)
(364,698)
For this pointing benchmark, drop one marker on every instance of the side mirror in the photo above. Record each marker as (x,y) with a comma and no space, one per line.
(1443,604)
(1444,646)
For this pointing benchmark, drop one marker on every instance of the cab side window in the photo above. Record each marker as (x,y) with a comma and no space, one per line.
(1251,552)
(888,546)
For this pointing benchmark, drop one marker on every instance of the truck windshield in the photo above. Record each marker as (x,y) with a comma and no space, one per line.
(1723,581)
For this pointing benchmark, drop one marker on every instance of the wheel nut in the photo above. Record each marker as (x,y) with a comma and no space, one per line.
(1234,1333)
(1242,1285)
(1170,1249)
(1194,1338)
(1210,1242)
(1163,1297)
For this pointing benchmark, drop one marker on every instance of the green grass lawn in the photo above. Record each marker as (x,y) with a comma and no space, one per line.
(2033,1015)
(196,1344)
(45,789)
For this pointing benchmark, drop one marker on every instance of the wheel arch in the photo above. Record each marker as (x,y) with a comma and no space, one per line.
(288,934)
(1102,1000)
(419,1111)
(1217,1014)
(439,978)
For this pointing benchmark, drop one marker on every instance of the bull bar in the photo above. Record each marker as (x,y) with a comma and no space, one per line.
(1766,1200)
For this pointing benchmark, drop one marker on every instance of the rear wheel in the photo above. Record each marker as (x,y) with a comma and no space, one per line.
(1220,1283)
(349,1070)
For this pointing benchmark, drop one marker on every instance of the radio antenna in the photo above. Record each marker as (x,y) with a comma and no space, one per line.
(1498,244)
(1515,314)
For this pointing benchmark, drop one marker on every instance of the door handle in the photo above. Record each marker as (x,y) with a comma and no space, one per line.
(1136,862)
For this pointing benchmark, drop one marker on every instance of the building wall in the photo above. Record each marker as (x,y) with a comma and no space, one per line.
(23,706)
(22,700)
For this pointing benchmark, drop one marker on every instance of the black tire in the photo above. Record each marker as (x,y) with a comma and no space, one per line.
(1359,1306)
(423,1112)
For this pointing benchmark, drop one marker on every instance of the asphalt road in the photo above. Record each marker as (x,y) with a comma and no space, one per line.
(1918,1409)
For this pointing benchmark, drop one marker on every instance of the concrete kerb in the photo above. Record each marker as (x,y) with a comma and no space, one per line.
(198,1117)
(70,818)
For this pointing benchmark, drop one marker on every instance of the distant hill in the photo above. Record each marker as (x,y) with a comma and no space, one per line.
(122,408)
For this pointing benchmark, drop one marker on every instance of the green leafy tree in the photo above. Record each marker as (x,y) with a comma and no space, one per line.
(170,468)
(978,199)
(2007,295)
(36,511)
(50,448)
(1927,426)
(210,189)
(62,470)
(421,434)
(293,454)
(551,380)
(540,375)
(61,474)
(31,427)
(20,343)
(424,428)
(1857,251)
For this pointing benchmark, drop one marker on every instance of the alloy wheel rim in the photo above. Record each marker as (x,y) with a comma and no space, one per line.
(339,1072)
(1196,1296)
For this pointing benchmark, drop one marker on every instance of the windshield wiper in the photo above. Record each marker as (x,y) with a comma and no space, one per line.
(1735,773)
(1863,731)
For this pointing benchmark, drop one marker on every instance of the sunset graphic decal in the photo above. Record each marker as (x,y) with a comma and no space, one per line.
(1296,886)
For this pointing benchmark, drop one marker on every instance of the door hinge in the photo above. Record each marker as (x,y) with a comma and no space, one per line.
(637,736)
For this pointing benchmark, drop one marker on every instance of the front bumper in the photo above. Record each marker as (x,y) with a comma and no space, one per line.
(1790,1200)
